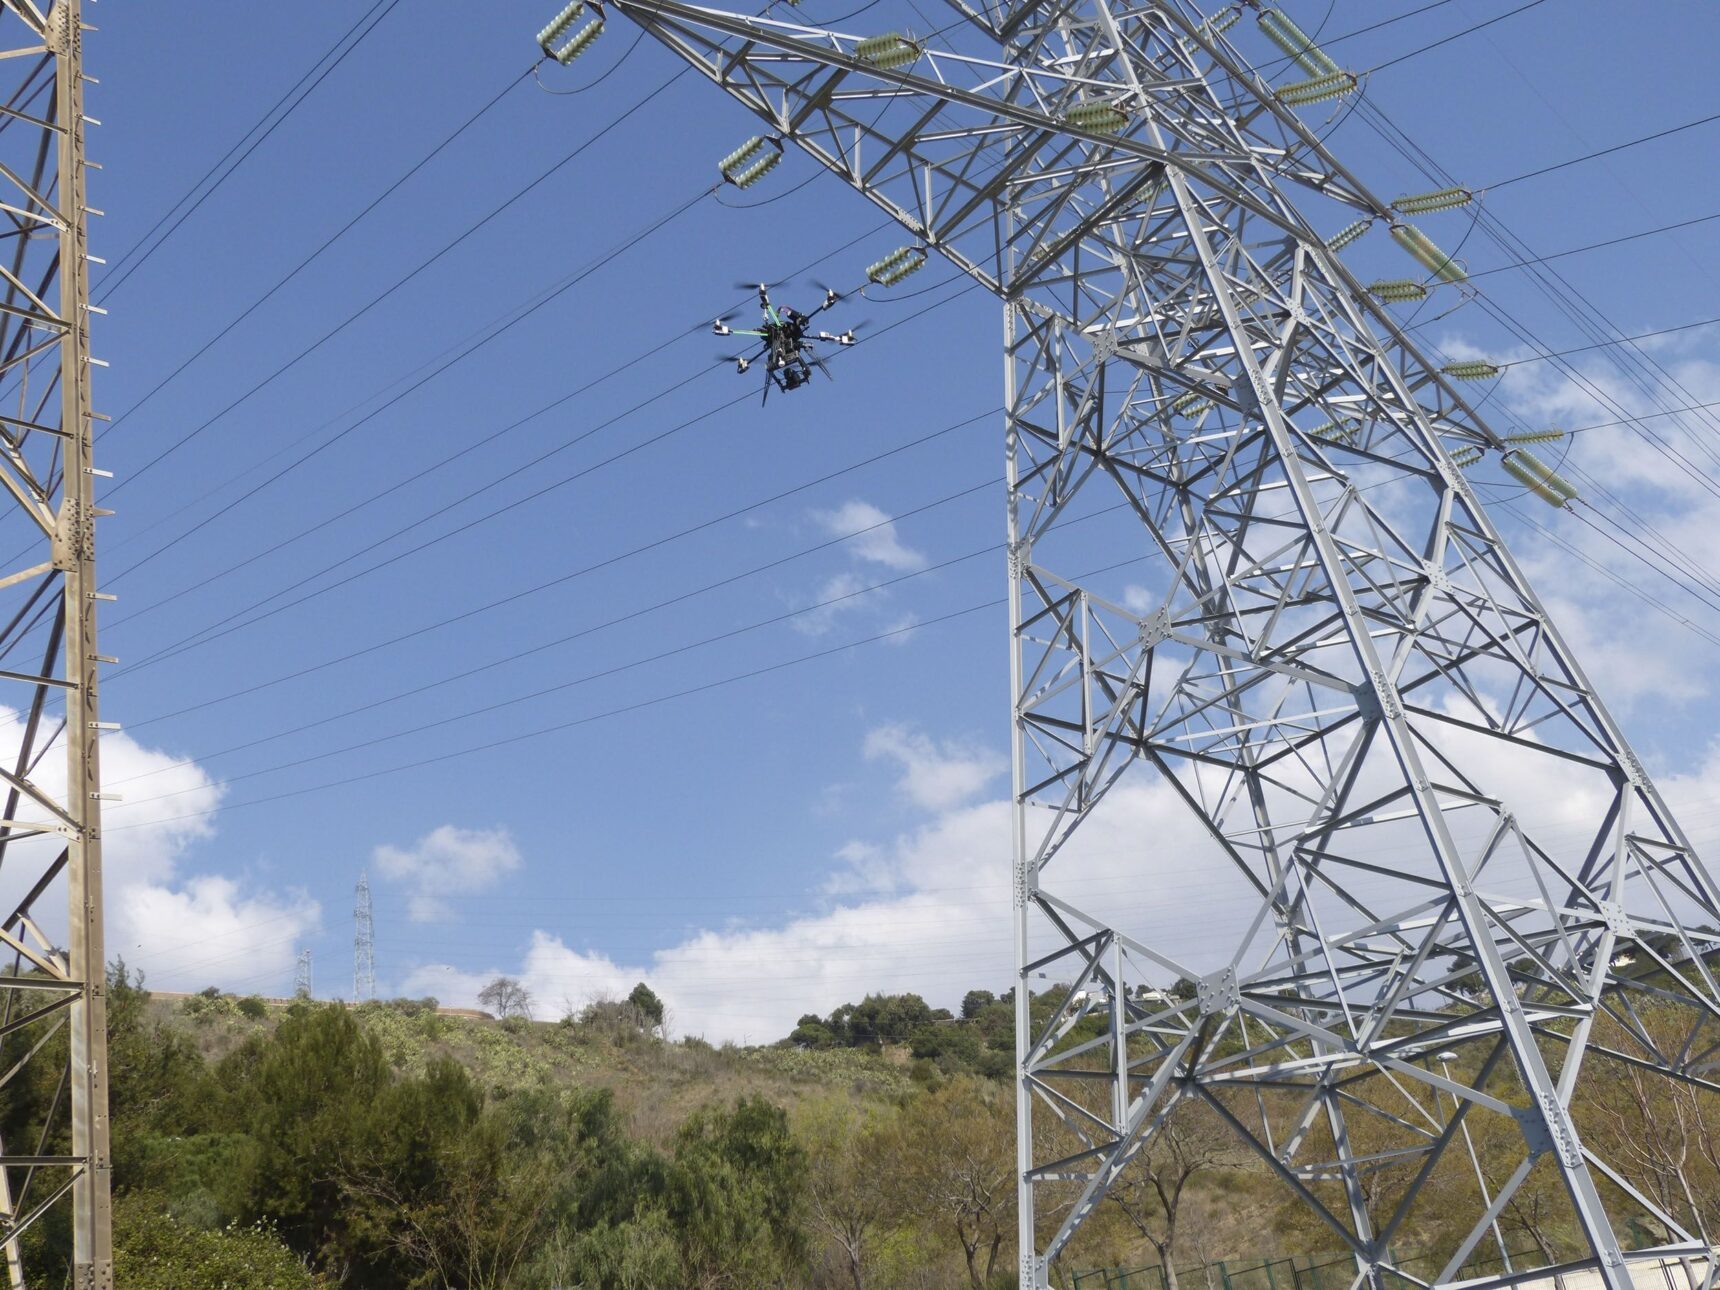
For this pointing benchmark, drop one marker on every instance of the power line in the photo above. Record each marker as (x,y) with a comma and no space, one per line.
(617,620)
(470,229)
(591,267)
(1564,297)
(386,7)
(370,499)
(643,704)
(1598,246)
(199,639)
(1603,152)
(587,569)
(1362,31)
(623,710)
(305,263)
(1456,35)
(588,678)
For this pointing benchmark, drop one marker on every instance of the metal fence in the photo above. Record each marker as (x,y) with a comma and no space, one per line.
(1297,1272)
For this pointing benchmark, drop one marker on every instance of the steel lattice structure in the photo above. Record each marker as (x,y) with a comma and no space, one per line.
(52,990)
(1445,889)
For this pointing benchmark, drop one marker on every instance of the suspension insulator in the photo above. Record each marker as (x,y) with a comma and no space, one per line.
(1337,431)
(1220,23)
(558,24)
(579,42)
(756,171)
(744,166)
(1344,236)
(1552,434)
(897,265)
(1471,370)
(1097,118)
(890,50)
(1398,290)
(1296,43)
(1437,262)
(1463,458)
(1331,85)
(1446,199)
(741,153)
(1538,477)
(1192,405)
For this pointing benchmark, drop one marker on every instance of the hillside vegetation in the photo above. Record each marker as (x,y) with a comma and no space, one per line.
(390,1147)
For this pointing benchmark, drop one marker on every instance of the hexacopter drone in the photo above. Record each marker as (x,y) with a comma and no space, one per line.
(788,341)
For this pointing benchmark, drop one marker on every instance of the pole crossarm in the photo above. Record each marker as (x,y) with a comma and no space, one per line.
(1436,878)
(54,1154)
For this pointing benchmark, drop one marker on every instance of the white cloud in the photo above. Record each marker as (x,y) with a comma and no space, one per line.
(935,776)
(184,931)
(1639,653)
(874,539)
(446,862)
(937,922)
(837,595)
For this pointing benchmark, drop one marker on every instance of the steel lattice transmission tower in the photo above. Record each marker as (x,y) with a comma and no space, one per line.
(1441,897)
(302,983)
(363,942)
(53,1022)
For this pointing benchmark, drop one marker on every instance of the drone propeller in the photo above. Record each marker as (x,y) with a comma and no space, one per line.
(845,337)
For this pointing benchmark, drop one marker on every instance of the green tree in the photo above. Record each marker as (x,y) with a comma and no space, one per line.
(849,1189)
(975,1000)
(506,997)
(308,1095)
(811,1032)
(457,1192)
(734,1194)
(966,1186)
(1191,1143)
(649,1007)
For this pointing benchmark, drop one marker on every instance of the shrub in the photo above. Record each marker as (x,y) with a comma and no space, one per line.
(253,1007)
(208,1005)
(155,1251)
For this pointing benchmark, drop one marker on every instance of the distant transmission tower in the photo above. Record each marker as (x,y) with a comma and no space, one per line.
(1443,900)
(363,943)
(302,976)
(53,981)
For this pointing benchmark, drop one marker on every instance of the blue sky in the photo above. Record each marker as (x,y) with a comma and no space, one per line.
(769,846)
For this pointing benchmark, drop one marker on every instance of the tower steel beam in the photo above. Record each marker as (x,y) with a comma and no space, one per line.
(53,1022)
(1440,880)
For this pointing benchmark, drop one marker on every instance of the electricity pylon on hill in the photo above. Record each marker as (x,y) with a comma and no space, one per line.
(53,1025)
(1441,890)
